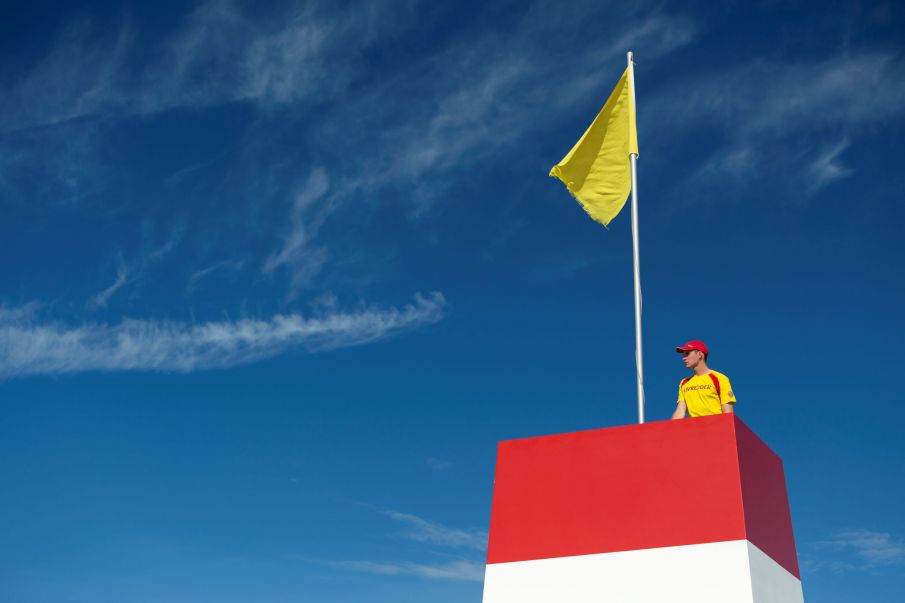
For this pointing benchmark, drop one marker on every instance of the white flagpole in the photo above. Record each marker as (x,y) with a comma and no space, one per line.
(635,257)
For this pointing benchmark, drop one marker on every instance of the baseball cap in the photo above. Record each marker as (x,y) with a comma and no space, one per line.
(693,345)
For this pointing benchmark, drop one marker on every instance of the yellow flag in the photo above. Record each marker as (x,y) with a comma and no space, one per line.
(597,170)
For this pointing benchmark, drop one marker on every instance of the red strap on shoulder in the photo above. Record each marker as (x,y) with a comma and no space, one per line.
(716,386)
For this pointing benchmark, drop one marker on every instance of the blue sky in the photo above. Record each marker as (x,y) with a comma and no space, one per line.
(276,280)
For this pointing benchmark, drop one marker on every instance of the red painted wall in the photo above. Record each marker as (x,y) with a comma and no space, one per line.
(669,483)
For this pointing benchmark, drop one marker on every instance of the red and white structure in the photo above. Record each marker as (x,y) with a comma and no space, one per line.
(689,511)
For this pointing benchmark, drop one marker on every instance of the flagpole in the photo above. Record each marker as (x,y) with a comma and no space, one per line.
(635,256)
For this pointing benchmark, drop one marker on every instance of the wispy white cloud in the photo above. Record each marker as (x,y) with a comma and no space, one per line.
(463,104)
(122,274)
(218,54)
(484,94)
(134,272)
(306,217)
(31,347)
(82,74)
(198,276)
(855,89)
(826,168)
(870,549)
(287,63)
(656,34)
(437,464)
(735,162)
(810,565)
(769,98)
(428,533)
(60,166)
(221,54)
(765,115)
(466,571)
(168,246)
(422,530)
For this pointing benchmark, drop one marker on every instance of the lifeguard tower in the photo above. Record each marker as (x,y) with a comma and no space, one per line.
(690,511)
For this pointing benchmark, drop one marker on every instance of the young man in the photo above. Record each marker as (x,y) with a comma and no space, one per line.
(706,392)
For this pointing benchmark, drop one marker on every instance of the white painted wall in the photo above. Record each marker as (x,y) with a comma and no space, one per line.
(771,582)
(721,572)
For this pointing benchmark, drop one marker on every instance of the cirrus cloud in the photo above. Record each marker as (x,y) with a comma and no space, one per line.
(31,347)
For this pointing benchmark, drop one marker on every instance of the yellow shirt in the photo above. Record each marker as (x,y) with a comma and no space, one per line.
(701,397)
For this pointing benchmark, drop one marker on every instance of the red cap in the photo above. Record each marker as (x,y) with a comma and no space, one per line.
(693,345)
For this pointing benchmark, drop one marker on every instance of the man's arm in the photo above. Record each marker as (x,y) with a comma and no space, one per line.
(680,410)
(727,398)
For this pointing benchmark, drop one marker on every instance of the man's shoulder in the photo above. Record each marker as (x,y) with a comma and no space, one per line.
(719,375)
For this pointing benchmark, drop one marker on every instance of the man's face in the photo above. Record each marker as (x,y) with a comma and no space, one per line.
(691,358)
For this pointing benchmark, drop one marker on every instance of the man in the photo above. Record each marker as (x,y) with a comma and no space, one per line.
(706,392)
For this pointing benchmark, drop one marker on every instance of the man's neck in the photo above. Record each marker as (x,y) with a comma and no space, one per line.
(701,369)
